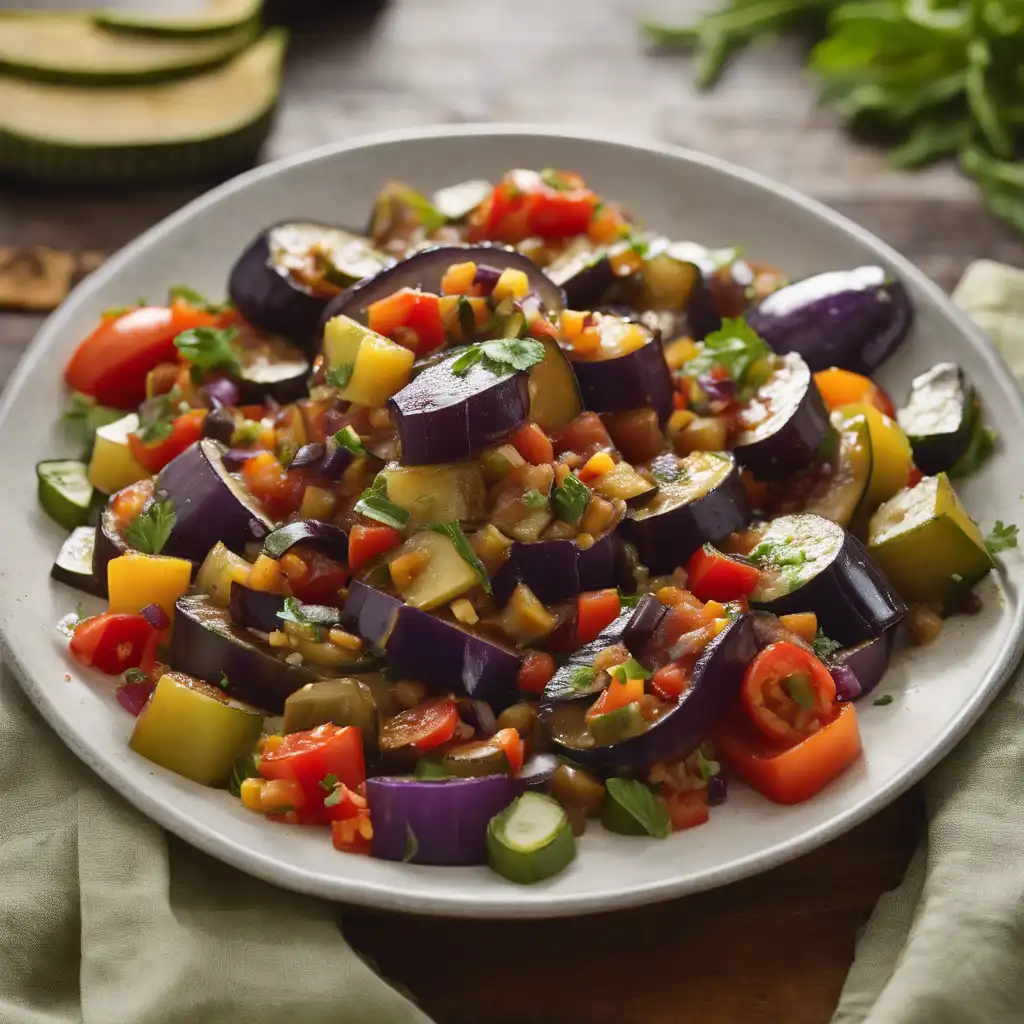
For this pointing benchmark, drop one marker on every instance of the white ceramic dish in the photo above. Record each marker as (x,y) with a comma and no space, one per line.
(939,690)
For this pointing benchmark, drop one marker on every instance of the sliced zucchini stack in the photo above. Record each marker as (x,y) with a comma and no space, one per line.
(218,16)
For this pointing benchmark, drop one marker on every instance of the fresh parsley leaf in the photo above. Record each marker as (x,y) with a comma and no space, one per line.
(223,681)
(293,611)
(570,500)
(883,701)
(210,348)
(454,533)
(158,430)
(736,347)
(183,293)
(500,356)
(247,432)
(824,646)
(375,504)
(582,678)
(648,809)
(631,669)
(339,376)
(149,531)
(1002,538)
(412,845)
(135,675)
(772,553)
(328,782)
(532,498)
(348,438)
(428,769)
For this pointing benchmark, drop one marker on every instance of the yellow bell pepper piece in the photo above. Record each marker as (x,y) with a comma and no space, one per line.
(379,367)
(891,454)
(112,466)
(135,580)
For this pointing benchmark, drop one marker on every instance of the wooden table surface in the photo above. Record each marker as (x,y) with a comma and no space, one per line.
(774,948)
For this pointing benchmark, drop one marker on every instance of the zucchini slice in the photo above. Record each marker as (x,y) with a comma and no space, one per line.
(64,133)
(217,16)
(74,49)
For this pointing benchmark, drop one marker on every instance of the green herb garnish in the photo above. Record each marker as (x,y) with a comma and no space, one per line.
(333,798)
(571,499)
(339,376)
(84,417)
(245,767)
(329,782)
(1002,538)
(210,348)
(292,611)
(223,681)
(135,675)
(197,300)
(736,347)
(641,804)
(502,356)
(631,669)
(532,498)
(881,702)
(412,845)
(582,678)
(149,531)
(772,553)
(553,179)
(628,600)
(375,504)
(348,438)
(454,533)
(824,646)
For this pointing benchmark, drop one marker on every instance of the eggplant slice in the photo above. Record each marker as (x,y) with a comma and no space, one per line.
(74,563)
(556,570)
(939,417)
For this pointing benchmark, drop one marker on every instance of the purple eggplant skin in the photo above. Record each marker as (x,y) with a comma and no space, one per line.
(868,660)
(448,817)
(665,539)
(209,504)
(329,538)
(584,273)
(337,458)
(633,381)
(788,440)
(207,644)
(939,417)
(220,426)
(717,678)
(309,456)
(442,416)
(424,270)
(854,319)
(269,298)
(556,570)
(73,564)
(640,627)
(482,667)
(255,609)
(285,380)
(536,773)
(109,545)
(851,597)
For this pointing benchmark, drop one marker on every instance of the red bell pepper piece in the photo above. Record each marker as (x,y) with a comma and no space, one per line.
(112,642)
(368,540)
(186,429)
(321,582)
(514,746)
(535,672)
(595,609)
(714,576)
(533,444)
(686,810)
(412,310)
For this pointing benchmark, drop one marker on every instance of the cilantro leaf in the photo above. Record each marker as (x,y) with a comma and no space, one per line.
(149,531)
(245,767)
(454,533)
(375,504)
(647,809)
(570,500)
(500,356)
(582,678)
(339,376)
(532,498)
(223,681)
(329,782)
(412,845)
(1002,538)
(736,348)
(84,417)
(210,348)
(333,798)
(824,646)
(135,675)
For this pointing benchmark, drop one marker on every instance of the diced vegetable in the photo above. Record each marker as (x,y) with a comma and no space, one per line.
(219,570)
(340,701)
(65,491)
(437,572)
(437,494)
(113,466)
(113,642)
(136,580)
(716,576)
(524,618)
(367,367)
(531,840)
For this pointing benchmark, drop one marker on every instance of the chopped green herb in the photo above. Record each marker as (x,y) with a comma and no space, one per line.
(339,376)
(115,312)
(881,702)
(736,347)
(84,417)
(245,767)
(532,498)
(149,531)
(182,293)
(706,767)
(454,533)
(158,430)
(333,798)
(348,438)
(628,600)
(135,675)
(467,318)
(582,678)
(824,646)
(1002,538)
(631,669)
(247,432)
(641,804)
(500,356)
(428,769)
(412,845)
(799,688)
(293,612)
(375,504)
(210,348)
(571,499)
(223,681)
(771,553)
(329,782)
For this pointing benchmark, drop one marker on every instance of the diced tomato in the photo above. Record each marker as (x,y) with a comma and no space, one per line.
(424,727)
(112,642)
(607,225)
(595,609)
(413,310)
(111,364)
(279,491)
(540,327)
(687,810)
(353,832)
(368,540)
(524,204)
(844,387)
(794,774)
(514,746)
(584,435)
(533,444)
(788,693)
(324,578)
(669,682)
(316,759)
(536,670)
(185,431)
(714,576)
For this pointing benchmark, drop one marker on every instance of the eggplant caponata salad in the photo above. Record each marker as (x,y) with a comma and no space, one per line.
(508,514)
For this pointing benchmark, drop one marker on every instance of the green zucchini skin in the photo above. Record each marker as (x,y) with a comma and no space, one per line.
(248,12)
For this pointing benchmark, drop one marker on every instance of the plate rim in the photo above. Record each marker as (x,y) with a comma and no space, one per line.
(390,897)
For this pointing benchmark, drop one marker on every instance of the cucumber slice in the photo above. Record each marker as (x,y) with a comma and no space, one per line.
(618,725)
(74,563)
(530,840)
(73,49)
(64,133)
(218,16)
(65,491)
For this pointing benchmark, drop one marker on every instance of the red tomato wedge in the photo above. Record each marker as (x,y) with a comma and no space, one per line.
(534,674)
(424,727)
(368,540)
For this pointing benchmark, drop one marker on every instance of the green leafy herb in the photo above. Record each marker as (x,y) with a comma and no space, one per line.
(135,675)
(428,769)
(223,681)
(706,767)
(641,804)
(412,845)
(501,356)
(799,688)
(339,376)
(182,293)
(158,430)
(824,646)
(736,347)
(582,678)
(1002,538)
(532,498)
(210,348)
(628,600)
(571,499)
(293,611)
(881,702)
(247,432)
(631,669)
(333,798)
(454,533)
(84,417)
(467,318)
(329,782)
(157,416)
(375,504)
(348,438)
(149,531)
(245,767)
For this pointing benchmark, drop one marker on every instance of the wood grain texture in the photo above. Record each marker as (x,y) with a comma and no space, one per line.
(770,950)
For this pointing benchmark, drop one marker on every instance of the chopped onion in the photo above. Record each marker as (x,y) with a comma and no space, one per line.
(847,684)
(133,697)
(486,276)
(221,391)
(156,617)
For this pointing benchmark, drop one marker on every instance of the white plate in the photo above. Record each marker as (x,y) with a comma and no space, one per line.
(939,690)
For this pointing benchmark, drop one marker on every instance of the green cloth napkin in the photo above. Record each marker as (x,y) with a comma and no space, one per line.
(946,946)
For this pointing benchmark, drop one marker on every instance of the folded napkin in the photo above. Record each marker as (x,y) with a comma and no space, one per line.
(946,946)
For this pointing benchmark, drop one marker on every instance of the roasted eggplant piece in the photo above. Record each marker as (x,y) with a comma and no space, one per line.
(209,504)
(288,274)
(481,666)
(74,563)
(939,417)
(329,538)
(854,319)
(840,492)
(867,661)
(107,546)
(781,428)
(584,272)
(555,570)
(704,502)
(443,416)
(255,609)
(809,563)
(271,368)
(717,677)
